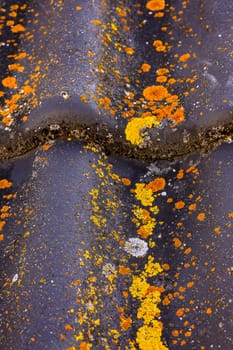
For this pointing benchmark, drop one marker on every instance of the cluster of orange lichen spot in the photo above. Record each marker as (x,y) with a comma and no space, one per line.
(160,104)
(5,185)
(160,46)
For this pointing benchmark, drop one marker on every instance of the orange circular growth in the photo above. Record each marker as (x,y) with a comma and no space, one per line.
(145,67)
(155,5)
(201,217)
(126,181)
(179,205)
(9,82)
(157,184)
(155,93)
(162,71)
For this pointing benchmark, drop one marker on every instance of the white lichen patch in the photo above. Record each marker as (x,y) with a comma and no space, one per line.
(136,247)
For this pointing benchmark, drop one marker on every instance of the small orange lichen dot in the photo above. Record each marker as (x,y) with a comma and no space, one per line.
(155,5)
(179,205)
(126,181)
(180,174)
(9,82)
(185,57)
(145,67)
(96,22)
(177,242)
(201,216)
(208,311)
(129,50)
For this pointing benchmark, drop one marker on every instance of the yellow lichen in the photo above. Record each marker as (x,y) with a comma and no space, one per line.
(144,194)
(139,287)
(149,336)
(152,268)
(135,127)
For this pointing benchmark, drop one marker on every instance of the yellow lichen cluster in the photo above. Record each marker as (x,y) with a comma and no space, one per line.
(135,127)
(150,333)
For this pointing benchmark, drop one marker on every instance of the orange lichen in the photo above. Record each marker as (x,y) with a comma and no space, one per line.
(192,206)
(190,284)
(4,183)
(20,56)
(124,270)
(155,5)
(129,50)
(68,327)
(1,237)
(16,66)
(162,71)
(18,28)
(24,118)
(7,120)
(155,93)
(9,82)
(159,46)
(84,346)
(125,322)
(208,311)
(180,174)
(125,181)
(2,224)
(96,22)
(177,242)
(157,185)
(188,251)
(201,216)
(184,57)
(179,205)
(145,67)
(161,79)
(46,147)
(78,8)
(178,116)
